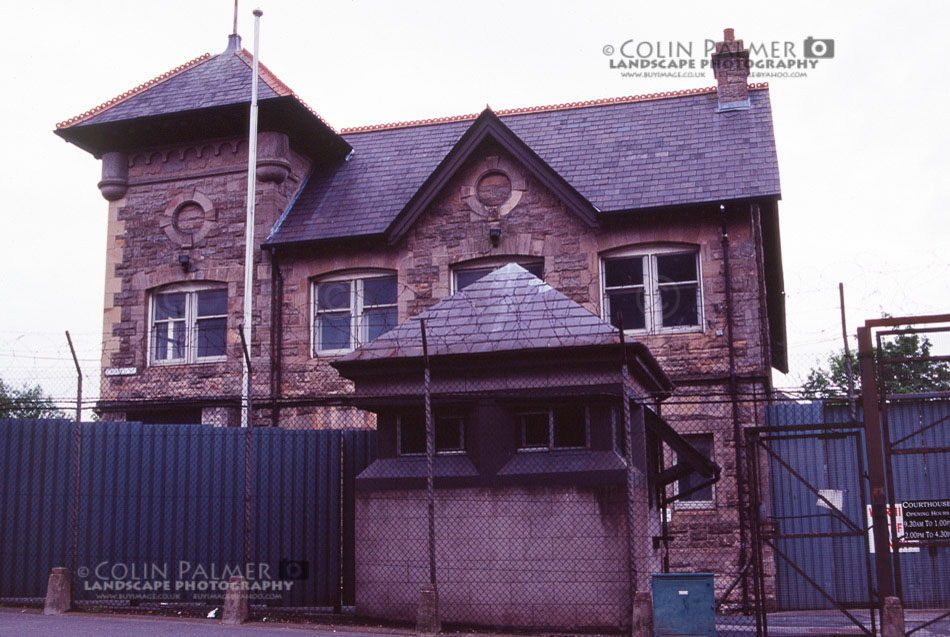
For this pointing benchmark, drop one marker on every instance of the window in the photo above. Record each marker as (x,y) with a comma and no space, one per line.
(464,275)
(558,427)
(653,291)
(703,498)
(349,312)
(411,434)
(189,325)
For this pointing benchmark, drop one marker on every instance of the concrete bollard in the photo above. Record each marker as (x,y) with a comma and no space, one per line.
(236,610)
(892,618)
(427,615)
(58,595)
(642,615)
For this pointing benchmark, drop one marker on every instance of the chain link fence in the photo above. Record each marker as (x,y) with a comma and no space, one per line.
(509,460)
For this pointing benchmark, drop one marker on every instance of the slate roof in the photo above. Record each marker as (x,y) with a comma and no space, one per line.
(205,82)
(619,156)
(508,309)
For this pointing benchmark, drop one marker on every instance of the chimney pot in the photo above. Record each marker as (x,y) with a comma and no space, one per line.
(729,35)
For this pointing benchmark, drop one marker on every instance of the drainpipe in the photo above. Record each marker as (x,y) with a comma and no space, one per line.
(733,395)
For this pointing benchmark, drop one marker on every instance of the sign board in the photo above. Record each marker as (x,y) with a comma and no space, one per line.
(120,371)
(926,519)
(906,547)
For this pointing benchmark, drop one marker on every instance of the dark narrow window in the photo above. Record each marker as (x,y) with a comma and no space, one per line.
(625,292)
(412,435)
(703,443)
(449,434)
(535,430)
(570,426)
(678,286)
(212,322)
(558,427)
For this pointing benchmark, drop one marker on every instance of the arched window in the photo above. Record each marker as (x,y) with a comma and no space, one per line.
(352,308)
(188,323)
(653,288)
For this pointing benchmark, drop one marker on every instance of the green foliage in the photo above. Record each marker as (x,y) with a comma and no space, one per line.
(909,377)
(26,402)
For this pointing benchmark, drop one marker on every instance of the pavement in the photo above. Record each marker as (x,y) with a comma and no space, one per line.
(28,622)
(16,622)
(827,622)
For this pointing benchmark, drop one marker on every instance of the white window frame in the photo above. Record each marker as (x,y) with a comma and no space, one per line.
(358,325)
(493,263)
(693,505)
(190,290)
(653,308)
(522,445)
(442,452)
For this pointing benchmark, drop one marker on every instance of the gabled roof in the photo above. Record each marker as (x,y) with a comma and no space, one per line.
(507,310)
(214,85)
(618,156)
(488,126)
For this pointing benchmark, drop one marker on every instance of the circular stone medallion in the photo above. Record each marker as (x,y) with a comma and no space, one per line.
(493,189)
(189,218)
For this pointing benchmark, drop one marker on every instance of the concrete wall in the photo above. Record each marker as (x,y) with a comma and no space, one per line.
(545,557)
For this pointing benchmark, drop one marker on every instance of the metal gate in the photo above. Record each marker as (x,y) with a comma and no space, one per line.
(853,501)
(811,547)
(911,359)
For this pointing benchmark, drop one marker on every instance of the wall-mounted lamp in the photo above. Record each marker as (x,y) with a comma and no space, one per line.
(184,261)
(494,234)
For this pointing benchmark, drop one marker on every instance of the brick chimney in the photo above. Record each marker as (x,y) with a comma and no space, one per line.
(730,64)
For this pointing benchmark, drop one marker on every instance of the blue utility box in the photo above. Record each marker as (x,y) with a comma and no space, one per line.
(684,604)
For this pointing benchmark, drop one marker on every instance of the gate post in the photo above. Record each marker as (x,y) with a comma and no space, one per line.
(892,618)
(875,449)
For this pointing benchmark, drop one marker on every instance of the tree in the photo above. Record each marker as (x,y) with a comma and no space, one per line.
(26,402)
(909,377)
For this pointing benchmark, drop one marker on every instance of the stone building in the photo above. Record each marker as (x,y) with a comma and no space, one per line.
(660,211)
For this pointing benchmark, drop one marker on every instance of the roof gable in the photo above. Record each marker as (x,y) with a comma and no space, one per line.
(487,126)
(619,156)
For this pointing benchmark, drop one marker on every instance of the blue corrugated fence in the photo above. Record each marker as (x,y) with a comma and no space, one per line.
(833,464)
(167,503)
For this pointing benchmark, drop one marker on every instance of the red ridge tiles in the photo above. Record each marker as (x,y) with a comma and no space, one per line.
(135,91)
(276,84)
(540,109)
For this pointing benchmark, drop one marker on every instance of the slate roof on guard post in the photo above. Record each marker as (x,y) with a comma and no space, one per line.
(621,157)
(508,309)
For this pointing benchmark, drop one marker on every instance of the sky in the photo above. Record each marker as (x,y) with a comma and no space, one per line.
(862,138)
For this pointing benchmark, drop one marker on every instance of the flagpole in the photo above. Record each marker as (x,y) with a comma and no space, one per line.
(249,226)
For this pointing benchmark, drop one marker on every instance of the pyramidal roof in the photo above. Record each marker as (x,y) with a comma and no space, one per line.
(204,82)
(508,309)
